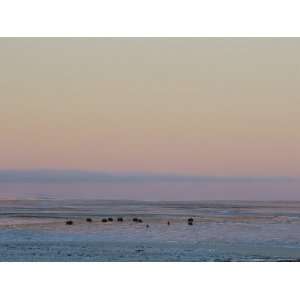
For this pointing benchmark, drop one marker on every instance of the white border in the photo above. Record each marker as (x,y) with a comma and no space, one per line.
(149,18)
(149,281)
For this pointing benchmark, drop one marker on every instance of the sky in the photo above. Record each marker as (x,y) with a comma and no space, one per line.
(221,107)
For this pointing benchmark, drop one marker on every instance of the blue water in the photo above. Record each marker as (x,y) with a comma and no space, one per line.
(222,231)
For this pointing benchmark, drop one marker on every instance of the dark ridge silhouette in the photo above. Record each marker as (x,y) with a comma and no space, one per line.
(110,219)
(69,222)
(89,220)
(120,219)
(104,220)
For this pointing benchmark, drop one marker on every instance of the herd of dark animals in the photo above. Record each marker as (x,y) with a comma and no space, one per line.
(190,221)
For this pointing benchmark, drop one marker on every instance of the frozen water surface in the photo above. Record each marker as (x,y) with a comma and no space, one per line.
(222,231)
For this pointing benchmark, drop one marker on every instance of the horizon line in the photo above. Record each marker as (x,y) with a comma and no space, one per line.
(46,175)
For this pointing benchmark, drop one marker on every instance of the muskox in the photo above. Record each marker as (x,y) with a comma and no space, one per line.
(120,219)
(69,222)
(104,220)
(190,221)
(89,220)
(110,219)
(135,219)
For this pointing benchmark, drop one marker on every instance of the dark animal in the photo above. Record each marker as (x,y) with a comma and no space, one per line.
(135,219)
(140,221)
(120,219)
(147,226)
(190,221)
(69,222)
(89,220)
(110,219)
(104,220)
(168,222)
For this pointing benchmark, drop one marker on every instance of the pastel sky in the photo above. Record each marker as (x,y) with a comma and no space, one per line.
(210,107)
